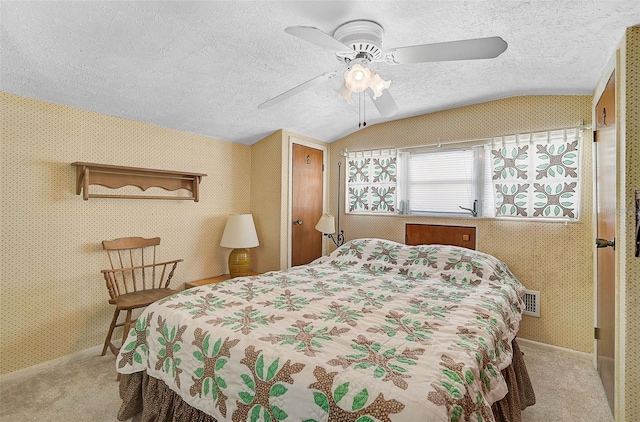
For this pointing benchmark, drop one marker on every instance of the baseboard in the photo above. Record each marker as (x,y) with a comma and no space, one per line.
(36,369)
(530,343)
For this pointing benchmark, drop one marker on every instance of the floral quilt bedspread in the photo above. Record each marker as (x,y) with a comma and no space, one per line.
(375,331)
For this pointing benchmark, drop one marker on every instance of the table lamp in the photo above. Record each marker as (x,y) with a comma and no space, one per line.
(239,234)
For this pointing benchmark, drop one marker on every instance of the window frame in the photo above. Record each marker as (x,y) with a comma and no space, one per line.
(489,188)
(477,174)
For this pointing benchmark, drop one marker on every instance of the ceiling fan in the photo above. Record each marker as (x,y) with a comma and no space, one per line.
(358,43)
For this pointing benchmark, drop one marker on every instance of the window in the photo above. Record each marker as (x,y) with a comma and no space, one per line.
(440,181)
(532,175)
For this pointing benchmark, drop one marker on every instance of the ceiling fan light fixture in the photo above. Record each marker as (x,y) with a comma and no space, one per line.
(357,78)
(344,94)
(377,85)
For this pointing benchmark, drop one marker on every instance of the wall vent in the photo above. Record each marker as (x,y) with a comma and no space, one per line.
(532,303)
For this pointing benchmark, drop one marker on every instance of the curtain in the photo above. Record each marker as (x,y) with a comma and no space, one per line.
(536,175)
(372,179)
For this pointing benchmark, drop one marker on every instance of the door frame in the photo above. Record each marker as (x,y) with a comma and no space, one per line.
(325,178)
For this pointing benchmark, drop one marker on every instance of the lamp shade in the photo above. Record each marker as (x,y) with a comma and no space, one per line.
(240,232)
(326,224)
(357,78)
(378,85)
(344,94)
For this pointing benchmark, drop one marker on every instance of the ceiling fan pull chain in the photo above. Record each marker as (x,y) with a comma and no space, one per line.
(364,105)
(359,111)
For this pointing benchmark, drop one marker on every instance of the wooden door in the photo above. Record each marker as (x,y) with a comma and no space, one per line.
(306,207)
(606,176)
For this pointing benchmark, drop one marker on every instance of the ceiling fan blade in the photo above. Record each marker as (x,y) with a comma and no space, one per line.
(319,38)
(478,48)
(385,103)
(293,91)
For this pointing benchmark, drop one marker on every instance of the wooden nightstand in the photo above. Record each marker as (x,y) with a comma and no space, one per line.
(211,280)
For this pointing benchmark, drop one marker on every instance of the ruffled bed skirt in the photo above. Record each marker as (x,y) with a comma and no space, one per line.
(520,394)
(148,399)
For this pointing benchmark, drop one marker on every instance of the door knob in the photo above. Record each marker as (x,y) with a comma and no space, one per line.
(603,243)
(297,222)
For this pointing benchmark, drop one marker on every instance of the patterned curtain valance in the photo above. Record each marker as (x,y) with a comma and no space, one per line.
(537,175)
(372,179)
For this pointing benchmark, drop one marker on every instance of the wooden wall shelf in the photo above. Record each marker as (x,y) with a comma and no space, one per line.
(115,177)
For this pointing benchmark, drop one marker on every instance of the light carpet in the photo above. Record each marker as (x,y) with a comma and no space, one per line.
(567,388)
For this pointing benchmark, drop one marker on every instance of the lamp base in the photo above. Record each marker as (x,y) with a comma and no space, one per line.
(239,263)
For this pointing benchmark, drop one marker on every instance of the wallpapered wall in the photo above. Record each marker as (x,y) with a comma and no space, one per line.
(267,186)
(270,195)
(628,364)
(53,298)
(554,258)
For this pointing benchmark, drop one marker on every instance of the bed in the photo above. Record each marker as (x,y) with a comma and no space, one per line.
(375,331)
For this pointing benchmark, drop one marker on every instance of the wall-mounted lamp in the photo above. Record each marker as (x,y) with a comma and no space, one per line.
(327,226)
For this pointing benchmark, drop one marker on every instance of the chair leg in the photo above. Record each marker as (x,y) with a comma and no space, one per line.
(107,341)
(127,327)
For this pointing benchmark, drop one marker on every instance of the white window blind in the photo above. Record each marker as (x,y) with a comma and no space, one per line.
(440,181)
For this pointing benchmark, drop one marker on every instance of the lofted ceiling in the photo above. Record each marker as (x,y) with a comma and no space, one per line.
(204,67)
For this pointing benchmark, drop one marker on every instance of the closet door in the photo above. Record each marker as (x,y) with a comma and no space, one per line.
(306,206)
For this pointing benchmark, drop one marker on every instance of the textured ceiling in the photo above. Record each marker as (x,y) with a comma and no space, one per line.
(204,67)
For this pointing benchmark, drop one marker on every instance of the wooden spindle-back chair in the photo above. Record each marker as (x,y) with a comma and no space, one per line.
(135,280)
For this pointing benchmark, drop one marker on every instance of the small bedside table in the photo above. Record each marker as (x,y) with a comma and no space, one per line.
(211,280)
